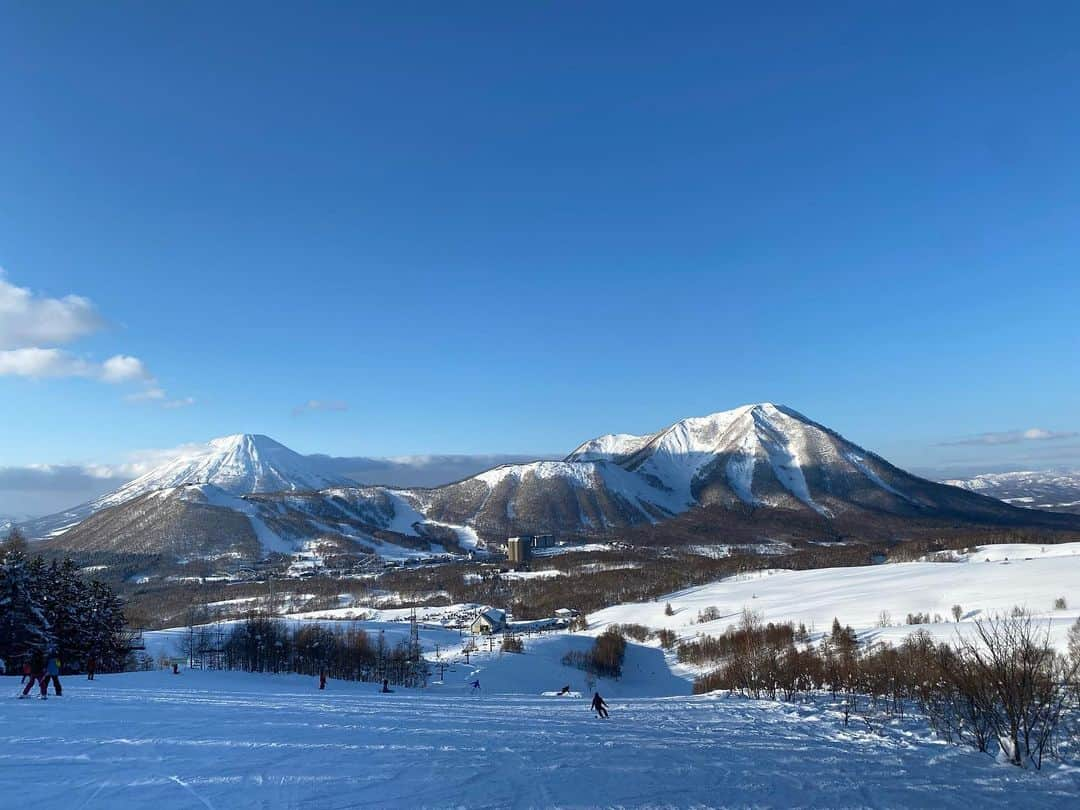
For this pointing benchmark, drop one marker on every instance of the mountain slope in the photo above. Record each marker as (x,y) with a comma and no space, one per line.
(754,472)
(241,464)
(749,460)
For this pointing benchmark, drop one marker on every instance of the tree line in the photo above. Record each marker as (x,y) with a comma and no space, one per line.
(51,608)
(262,644)
(1004,687)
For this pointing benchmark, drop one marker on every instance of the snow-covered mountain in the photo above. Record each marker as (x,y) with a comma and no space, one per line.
(723,470)
(1057,490)
(754,458)
(241,464)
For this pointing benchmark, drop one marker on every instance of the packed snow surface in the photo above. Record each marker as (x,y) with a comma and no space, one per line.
(232,740)
(216,740)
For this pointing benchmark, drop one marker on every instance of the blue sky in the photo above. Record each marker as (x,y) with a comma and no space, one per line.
(510,227)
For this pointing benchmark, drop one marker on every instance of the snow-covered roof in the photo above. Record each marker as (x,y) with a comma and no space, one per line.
(493,615)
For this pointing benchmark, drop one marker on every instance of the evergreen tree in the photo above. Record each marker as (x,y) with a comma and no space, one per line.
(23,625)
(50,608)
(106,640)
(65,601)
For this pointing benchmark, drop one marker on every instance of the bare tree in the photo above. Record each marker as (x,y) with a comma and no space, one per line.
(1017,682)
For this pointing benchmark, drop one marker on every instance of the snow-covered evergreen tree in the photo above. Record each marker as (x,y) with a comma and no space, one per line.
(50,608)
(23,625)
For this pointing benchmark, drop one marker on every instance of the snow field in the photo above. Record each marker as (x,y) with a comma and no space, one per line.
(538,669)
(1032,577)
(231,740)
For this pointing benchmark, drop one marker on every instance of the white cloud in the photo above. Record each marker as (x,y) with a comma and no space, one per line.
(42,363)
(321,405)
(32,325)
(138,462)
(183,402)
(151,394)
(39,489)
(29,320)
(1013,437)
(157,395)
(124,368)
(37,363)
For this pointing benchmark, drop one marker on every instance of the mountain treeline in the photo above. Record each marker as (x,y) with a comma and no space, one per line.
(49,608)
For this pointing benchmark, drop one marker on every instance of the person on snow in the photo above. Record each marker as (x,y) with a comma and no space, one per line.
(52,673)
(599,706)
(565,690)
(37,675)
(476,686)
(322,679)
(386,686)
(91,665)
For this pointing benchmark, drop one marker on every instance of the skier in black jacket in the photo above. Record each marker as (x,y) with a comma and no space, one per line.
(599,706)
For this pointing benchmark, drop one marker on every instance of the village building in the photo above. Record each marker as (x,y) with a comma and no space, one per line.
(520,548)
(517,551)
(488,620)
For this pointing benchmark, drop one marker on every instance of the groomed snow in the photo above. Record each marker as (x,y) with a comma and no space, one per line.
(217,740)
(239,741)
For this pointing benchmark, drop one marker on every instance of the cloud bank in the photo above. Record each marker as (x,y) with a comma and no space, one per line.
(320,405)
(42,489)
(1011,437)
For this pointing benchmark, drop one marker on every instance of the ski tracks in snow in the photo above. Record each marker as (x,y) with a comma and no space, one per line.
(220,740)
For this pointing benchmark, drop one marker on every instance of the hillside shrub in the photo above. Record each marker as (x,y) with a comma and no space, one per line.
(605,659)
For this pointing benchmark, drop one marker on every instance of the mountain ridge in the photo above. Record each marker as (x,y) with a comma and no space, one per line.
(730,465)
(1056,489)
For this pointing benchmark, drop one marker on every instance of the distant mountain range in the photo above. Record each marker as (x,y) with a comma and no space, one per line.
(1056,490)
(758,465)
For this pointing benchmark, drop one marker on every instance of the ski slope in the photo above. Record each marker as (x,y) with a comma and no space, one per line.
(231,740)
(986,581)
(645,671)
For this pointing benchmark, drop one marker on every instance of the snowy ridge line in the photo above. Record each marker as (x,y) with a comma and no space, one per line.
(763,456)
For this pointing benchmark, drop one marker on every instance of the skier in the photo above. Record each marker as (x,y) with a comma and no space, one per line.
(322,679)
(565,690)
(386,686)
(599,706)
(37,675)
(52,673)
(91,665)
(475,686)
